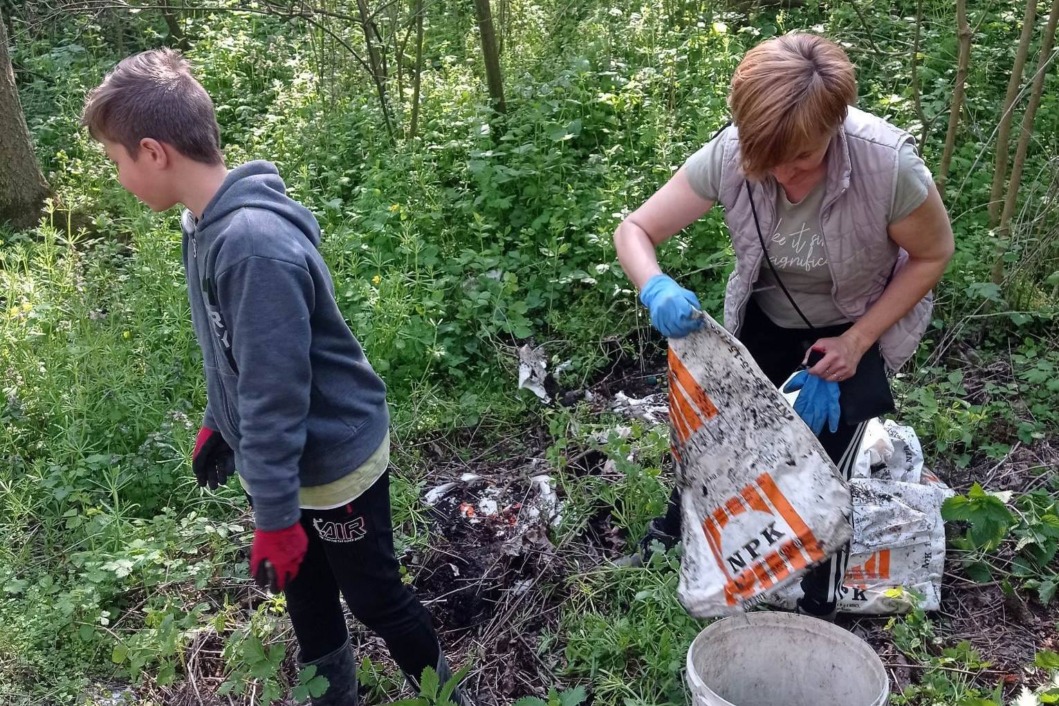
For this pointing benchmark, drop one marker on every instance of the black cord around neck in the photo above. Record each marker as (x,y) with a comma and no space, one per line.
(765,250)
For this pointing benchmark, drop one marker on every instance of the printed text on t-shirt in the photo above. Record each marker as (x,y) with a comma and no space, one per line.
(798,250)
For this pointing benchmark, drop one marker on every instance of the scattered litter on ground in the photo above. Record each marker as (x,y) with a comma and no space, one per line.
(653,409)
(496,586)
(437,493)
(532,371)
(548,502)
(620,431)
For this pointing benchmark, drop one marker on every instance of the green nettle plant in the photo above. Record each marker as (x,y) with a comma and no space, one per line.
(1030,521)
(569,697)
(432,692)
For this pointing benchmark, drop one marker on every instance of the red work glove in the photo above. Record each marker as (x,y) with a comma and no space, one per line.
(213,459)
(276,555)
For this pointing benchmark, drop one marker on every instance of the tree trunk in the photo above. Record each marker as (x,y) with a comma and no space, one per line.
(375,62)
(22,186)
(502,16)
(963,31)
(490,54)
(917,92)
(172,23)
(417,80)
(114,22)
(398,55)
(1004,130)
(1047,42)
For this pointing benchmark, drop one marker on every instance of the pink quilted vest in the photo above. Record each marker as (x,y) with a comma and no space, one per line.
(861,183)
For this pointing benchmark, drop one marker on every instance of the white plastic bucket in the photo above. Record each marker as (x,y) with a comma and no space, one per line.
(783,659)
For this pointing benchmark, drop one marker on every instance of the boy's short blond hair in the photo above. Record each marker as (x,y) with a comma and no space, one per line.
(788,93)
(153,95)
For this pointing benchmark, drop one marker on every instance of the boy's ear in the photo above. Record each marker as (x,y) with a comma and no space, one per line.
(155,152)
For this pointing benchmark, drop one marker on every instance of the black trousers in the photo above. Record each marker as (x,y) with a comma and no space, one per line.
(779,353)
(351,554)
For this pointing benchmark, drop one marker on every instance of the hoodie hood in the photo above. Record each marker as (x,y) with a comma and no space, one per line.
(256,185)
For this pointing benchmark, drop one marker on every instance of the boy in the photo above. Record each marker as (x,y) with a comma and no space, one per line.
(292,401)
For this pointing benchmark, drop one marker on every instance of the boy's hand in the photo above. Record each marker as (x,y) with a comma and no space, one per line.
(276,556)
(673,308)
(213,459)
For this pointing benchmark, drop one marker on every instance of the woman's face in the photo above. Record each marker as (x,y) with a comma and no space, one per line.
(805,165)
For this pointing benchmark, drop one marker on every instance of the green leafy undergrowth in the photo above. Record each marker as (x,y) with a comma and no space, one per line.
(1014,539)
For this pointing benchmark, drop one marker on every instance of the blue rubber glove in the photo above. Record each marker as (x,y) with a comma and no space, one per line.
(672,307)
(817,402)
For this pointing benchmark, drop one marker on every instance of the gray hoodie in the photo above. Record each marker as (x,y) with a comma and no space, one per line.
(287,384)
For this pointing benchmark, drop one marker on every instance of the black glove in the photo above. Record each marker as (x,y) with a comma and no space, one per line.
(213,459)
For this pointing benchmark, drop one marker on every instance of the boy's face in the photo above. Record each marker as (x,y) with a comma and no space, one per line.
(144,176)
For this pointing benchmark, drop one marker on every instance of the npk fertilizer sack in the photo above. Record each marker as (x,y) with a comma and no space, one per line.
(761,501)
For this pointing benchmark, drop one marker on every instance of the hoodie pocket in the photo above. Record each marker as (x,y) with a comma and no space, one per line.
(221,390)
(329,423)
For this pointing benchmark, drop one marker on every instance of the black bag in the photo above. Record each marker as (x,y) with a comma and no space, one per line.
(867,394)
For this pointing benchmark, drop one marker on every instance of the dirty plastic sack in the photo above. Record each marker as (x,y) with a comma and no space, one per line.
(906,463)
(888,450)
(761,501)
(876,449)
(898,533)
(898,543)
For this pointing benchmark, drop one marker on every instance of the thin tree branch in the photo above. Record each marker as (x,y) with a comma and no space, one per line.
(867,28)
(917,96)
(1027,131)
(418,80)
(1000,165)
(963,32)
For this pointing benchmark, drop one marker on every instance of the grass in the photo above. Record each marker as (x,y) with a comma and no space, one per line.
(449,251)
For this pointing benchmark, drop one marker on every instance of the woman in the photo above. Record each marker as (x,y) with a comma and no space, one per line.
(839,237)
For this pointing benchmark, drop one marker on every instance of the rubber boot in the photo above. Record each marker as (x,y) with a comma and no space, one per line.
(827,614)
(645,548)
(340,670)
(459,694)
